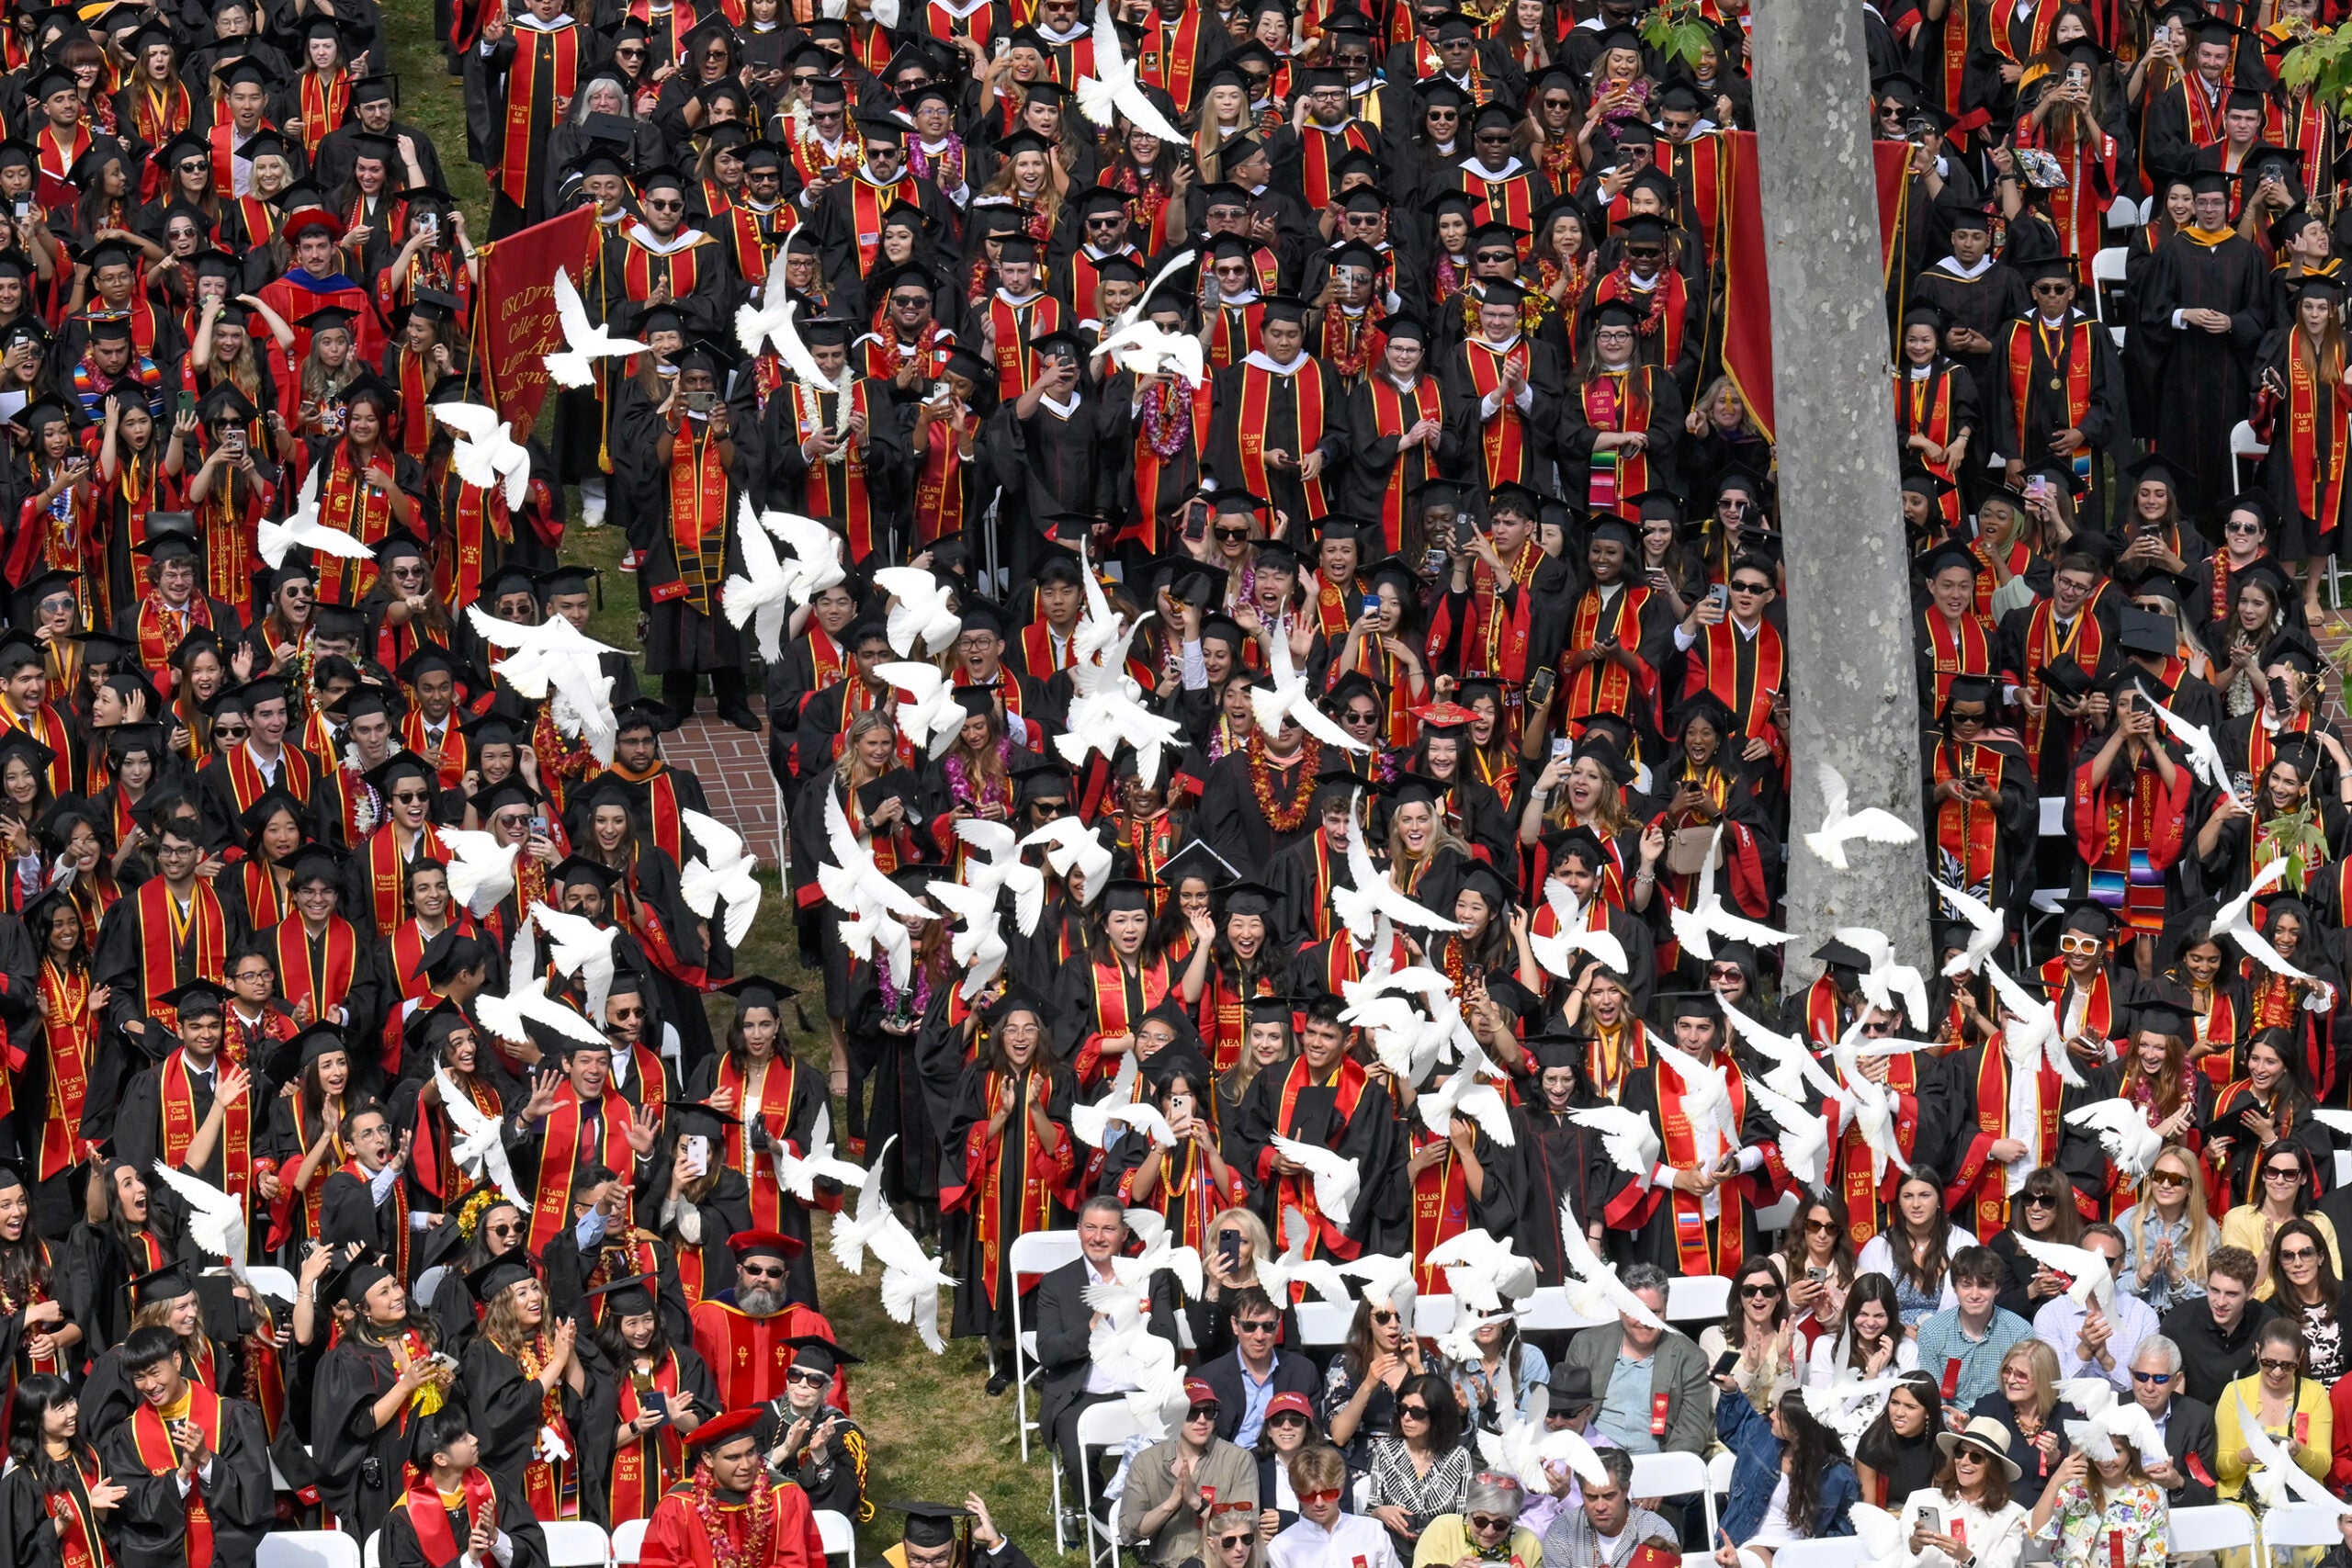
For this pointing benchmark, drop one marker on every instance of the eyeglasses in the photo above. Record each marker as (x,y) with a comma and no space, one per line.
(1268,1326)
(2300,1255)
(2158,1379)
(1486,1522)
(2270,1365)
(1413,1412)
(1759,1292)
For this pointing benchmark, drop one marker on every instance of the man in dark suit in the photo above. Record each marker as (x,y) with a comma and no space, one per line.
(1068,1379)
(2186,1425)
(1248,1377)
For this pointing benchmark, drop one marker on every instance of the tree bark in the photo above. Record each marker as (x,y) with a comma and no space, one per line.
(1853,702)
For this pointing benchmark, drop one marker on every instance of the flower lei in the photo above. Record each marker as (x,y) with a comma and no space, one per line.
(927,346)
(917,996)
(1289,816)
(1371,341)
(960,782)
(362,807)
(533,1356)
(724,1554)
(949,156)
(1168,417)
(1623,277)
(811,407)
(1449,277)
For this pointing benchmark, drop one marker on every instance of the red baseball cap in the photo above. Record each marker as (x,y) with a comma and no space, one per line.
(1289,1404)
(1197,1393)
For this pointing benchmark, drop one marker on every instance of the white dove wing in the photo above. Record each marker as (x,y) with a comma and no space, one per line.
(481,870)
(785,331)
(1626,1136)
(1336,1179)
(1804,1145)
(216,1220)
(472,421)
(2122,1127)
(1881,1532)
(1568,1446)
(2087,1269)
(762,591)
(1586,1265)
(571,313)
(2197,742)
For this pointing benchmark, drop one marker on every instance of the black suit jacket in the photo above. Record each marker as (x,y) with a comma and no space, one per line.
(1293,1374)
(1064,1324)
(2190,1429)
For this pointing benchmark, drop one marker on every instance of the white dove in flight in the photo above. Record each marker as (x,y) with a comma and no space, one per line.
(480,869)
(553,659)
(1840,827)
(1985,927)
(1804,1136)
(2123,1128)
(726,872)
(929,715)
(489,457)
(2034,1029)
(1557,952)
(582,342)
(978,949)
(1374,894)
(1697,926)
(760,595)
(2236,920)
(1337,1181)
(815,563)
(303,531)
(1885,980)
(856,1224)
(1002,869)
(1112,91)
(921,614)
(477,1145)
(1293,1266)
(526,1000)
(798,1174)
(1596,1291)
(1795,1067)
(1288,698)
(1070,845)
(772,320)
(2196,744)
(216,1221)
(1627,1137)
(581,947)
(2086,1271)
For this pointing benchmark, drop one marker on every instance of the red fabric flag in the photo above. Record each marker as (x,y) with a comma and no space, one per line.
(516,321)
(1747,293)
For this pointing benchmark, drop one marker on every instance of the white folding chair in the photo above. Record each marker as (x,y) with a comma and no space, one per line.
(1696,1297)
(1098,1427)
(628,1543)
(2106,267)
(1829,1551)
(2245,446)
(1676,1475)
(576,1543)
(2122,213)
(838,1534)
(2218,1526)
(273,1282)
(1033,1252)
(307,1548)
(1719,1471)
(372,1556)
(1322,1323)
(2292,1524)
(2343,1168)
(1547,1308)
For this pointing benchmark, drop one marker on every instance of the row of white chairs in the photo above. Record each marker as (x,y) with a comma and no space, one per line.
(2221,1526)
(571,1543)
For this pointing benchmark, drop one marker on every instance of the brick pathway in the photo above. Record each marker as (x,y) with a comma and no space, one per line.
(733,767)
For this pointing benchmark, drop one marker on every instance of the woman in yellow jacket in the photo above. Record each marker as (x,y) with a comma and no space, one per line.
(2291,1408)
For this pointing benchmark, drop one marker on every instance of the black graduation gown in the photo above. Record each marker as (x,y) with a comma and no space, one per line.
(1047,463)
(487,78)
(1230,821)
(505,1404)
(1983,303)
(724,1210)
(150,1526)
(596,1446)
(1655,1241)
(28,1538)
(2207,377)
(568,1273)
(359,1463)
(975,1314)
(888,1061)
(401,1548)
(1559,1163)
(1369,1138)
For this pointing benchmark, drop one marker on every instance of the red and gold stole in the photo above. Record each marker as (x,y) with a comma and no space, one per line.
(1691,1246)
(2099,1009)
(1510,200)
(2318,422)
(330,982)
(649,1463)
(359,511)
(79,1544)
(840,490)
(449,759)
(1953,651)
(58,157)
(1854,1151)
(53,1363)
(160,116)
(1393,413)
(1992,1199)
(1502,439)
(2069,358)
(560,1153)
(1754,706)
(561,63)
(152,1441)
(474,517)
(550,1487)
(324,99)
(1036,1206)
(388,871)
(642,269)
(1923,406)
(1170,53)
(2085,641)
(165,933)
(1605,686)
(2218,1027)
(161,628)
(177,1098)
(1319,150)
(72,1034)
(266,904)
(939,484)
(775,1114)
(1967,830)
(1256,413)
(1014,327)
(430,1519)
(1440,1206)
(697,484)
(867,202)
(1298,1191)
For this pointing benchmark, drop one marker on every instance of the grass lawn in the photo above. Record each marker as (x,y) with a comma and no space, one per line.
(932,1433)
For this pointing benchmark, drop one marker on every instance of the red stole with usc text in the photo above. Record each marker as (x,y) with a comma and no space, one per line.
(1257,405)
(561,63)
(559,1156)
(161,1456)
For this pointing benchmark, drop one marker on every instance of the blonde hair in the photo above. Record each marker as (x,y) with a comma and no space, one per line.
(501,1319)
(2041,1362)
(2195,1257)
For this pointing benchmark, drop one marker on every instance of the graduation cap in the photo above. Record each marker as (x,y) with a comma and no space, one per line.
(759,991)
(726,1428)
(2147,632)
(2294,649)
(1490,884)
(2085,914)
(632,1297)
(1837,955)
(818,1353)
(166,1284)
(2162,1015)
(499,1274)
(751,1243)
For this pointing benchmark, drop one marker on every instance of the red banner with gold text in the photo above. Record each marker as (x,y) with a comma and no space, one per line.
(1748,292)
(516,323)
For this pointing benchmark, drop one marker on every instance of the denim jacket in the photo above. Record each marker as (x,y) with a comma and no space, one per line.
(1756,1474)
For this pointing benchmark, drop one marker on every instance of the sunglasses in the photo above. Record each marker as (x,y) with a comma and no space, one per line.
(2040,1201)
(1384,1318)
(750,1271)
(1287,1418)
(808,1379)
(1822,1227)
(1413,1412)
(229,732)
(1759,1292)
(1751,588)
(1318,1499)
(411,797)
(2282,1176)
(665,207)
(2300,1255)
(2080,944)
(1233,535)
(1266,1327)
(1960,718)
(2168,1178)
(2242,527)
(1483,1523)
(1202,1413)
(2268,1365)
(1229,1542)
(2158,1379)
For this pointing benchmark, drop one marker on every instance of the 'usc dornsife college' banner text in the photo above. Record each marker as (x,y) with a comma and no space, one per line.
(515,320)
(1747,293)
